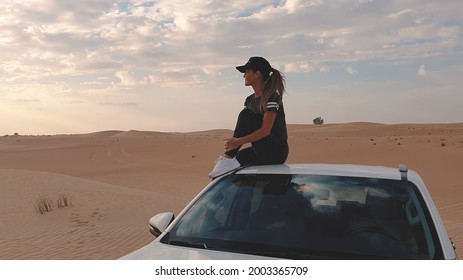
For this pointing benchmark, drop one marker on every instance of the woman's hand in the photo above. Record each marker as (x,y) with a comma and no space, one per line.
(232,144)
(264,131)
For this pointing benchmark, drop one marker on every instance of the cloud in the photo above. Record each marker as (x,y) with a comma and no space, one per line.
(61,50)
(74,37)
(351,70)
(124,104)
(126,78)
(298,67)
(28,101)
(422,70)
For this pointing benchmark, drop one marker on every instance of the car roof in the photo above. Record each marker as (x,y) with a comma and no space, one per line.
(350,170)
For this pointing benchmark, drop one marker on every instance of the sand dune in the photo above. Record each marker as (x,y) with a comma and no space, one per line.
(117,180)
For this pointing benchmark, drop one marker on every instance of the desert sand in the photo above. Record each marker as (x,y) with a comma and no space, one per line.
(117,180)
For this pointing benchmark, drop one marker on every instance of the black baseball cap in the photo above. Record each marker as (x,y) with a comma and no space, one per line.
(256,63)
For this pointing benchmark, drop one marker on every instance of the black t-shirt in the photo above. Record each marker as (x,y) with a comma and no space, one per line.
(279,126)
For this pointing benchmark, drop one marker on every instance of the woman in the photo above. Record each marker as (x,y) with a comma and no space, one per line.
(262,122)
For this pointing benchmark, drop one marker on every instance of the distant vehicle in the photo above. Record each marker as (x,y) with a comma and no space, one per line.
(318,120)
(305,211)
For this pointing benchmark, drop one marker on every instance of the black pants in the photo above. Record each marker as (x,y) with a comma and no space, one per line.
(268,150)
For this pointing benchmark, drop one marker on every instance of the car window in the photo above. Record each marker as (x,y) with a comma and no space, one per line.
(302,216)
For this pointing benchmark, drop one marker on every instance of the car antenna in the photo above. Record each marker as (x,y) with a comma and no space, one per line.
(403,172)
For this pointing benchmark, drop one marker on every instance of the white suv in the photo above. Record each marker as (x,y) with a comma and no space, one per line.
(305,211)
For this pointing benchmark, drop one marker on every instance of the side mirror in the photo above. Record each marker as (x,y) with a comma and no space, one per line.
(160,222)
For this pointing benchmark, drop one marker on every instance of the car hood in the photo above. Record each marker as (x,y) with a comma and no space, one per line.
(159,251)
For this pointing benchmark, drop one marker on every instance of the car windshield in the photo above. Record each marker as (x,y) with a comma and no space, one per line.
(310,217)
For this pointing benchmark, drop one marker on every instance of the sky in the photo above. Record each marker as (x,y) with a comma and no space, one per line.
(82,66)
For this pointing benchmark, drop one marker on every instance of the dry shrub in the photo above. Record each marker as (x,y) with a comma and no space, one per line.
(64,201)
(43,205)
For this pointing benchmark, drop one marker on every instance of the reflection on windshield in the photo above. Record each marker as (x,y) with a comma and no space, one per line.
(303,216)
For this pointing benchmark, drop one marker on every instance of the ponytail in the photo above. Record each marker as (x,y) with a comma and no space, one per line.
(274,83)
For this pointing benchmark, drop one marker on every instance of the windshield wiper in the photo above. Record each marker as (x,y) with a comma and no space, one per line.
(284,255)
(188,244)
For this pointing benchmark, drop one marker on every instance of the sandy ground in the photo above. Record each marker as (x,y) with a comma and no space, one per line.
(117,180)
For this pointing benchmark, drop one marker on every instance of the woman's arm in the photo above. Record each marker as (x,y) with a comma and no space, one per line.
(267,124)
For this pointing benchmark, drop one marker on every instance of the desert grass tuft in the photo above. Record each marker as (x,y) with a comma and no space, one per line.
(43,205)
(64,201)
